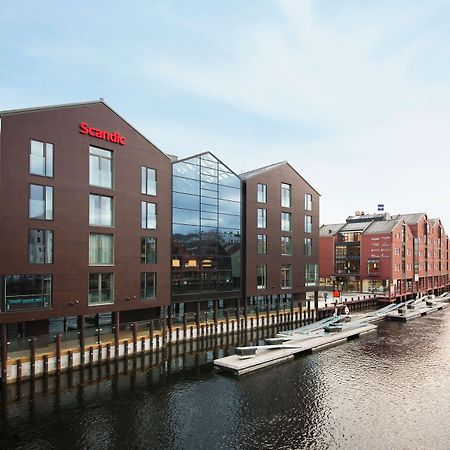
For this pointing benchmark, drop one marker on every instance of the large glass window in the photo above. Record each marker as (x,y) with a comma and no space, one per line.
(261,276)
(148,250)
(308,202)
(286,194)
(148,215)
(101,249)
(41,202)
(261,218)
(101,288)
(308,224)
(148,181)
(24,292)
(40,247)
(311,274)
(286,221)
(100,167)
(308,246)
(286,276)
(262,244)
(41,158)
(261,196)
(286,245)
(100,210)
(148,285)
(206,223)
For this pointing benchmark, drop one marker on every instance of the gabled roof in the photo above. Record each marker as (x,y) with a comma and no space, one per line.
(368,217)
(410,219)
(251,173)
(434,221)
(331,229)
(355,226)
(74,105)
(187,158)
(9,112)
(378,226)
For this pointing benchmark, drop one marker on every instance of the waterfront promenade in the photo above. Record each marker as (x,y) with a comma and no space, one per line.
(53,354)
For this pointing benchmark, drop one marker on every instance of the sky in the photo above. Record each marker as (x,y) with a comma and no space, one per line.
(354,94)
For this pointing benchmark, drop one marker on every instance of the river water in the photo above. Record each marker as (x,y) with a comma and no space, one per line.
(389,389)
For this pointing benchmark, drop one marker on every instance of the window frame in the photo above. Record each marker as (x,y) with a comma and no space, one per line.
(145,223)
(99,276)
(145,169)
(98,250)
(285,187)
(45,245)
(46,189)
(46,146)
(112,210)
(101,158)
(144,281)
(262,192)
(144,253)
(289,215)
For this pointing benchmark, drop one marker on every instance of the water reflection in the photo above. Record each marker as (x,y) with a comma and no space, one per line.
(388,389)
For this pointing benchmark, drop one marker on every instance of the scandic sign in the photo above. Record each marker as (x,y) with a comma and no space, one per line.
(111,136)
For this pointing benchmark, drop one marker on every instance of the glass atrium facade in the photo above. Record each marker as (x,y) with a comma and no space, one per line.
(206,222)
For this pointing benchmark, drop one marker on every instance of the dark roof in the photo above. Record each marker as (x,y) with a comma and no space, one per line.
(331,229)
(382,226)
(368,217)
(73,105)
(355,226)
(410,219)
(251,173)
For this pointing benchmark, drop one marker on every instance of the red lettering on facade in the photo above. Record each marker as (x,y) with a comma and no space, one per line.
(115,136)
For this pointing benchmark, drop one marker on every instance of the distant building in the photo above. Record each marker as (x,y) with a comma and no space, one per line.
(395,256)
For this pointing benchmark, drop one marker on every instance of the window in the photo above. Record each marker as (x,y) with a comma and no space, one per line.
(100,210)
(286,278)
(100,167)
(262,244)
(148,250)
(373,266)
(308,202)
(101,249)
(41,159)
(286,195)
(308,246)
(261,276)
(261,193)
(311,274)
(308,224)
(40,247)
(148,216)
(148,285)
(396,251)
(24,292)
(148,181)
(41,202)
(100,289)
(286,221)
(286,245)
(262,219)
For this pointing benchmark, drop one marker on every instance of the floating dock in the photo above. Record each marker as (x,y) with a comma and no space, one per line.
(325,333)
(258,357)
(417,309)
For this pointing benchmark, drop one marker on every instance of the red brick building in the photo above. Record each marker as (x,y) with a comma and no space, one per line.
(396,256)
